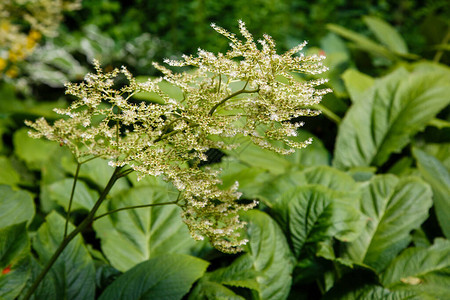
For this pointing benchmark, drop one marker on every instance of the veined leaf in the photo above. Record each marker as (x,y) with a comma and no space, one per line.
(8,175)
(15,206)
(395,108)
(357,84)
(312,214)
(208,290)
(167,276)
(386,34)
(84,197)
(14,260)
(132,236)
(439,178)
(395,207)
(266,267)
(369,291)
(423,270)
(73,272)
(329,177)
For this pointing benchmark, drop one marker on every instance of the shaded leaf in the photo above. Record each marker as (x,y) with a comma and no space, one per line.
(439,178)
(395,207)
(167,276)
(312,214)
(14,260)
(16,206)
(8,174)
(208,290)
(423,270)
(73,272)
(266,266)
(131,236)
(84,197)
(396,107)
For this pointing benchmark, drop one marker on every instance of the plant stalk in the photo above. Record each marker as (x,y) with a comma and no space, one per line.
(83,225)
(75,179)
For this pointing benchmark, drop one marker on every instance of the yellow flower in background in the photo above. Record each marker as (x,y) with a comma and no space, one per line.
(3,64)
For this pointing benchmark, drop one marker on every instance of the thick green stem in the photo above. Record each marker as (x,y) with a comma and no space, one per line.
(75,179)
(83,225)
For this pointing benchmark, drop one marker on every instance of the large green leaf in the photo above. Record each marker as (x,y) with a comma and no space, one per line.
(46,289)
(329,177)
(266,266)
(395,207)
(34,152)
(386,34)
(357,84)
(369,291)
(424,270)
(167,276)
(131,236)
(14,260)
(8,174)
(312,214)
(73,272)
(395,108)
(439,178)
(361,41)
(84,197)
(16,206)
(254,156)
(209,290)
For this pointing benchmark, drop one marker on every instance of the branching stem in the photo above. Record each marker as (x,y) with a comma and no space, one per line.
(75,179)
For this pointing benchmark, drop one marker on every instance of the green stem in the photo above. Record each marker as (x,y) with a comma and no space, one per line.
(213,109)
(83,225)
(133,207)
(328,113)
(439,54)
(75,179)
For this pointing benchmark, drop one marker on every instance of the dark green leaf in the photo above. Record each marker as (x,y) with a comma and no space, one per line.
(73,272)
(14,260)
(167,276)
(208,290)
(312,214)
(267,266)
(395,207)
(84,197)
(423,270)
(439,178)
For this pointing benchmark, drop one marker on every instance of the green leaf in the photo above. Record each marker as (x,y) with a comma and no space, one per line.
(395,207)
(84,197)
(168,276)
(396,108)
(73,272)
(368,291)
(254,156)
(46,289)
(268,263)
(312,214)
(16,206)
(208,290)
(96,171)
(424,270)
(8,175)
(331,178)
(266,266)
(357,84)
(386,34)
(361,41)
(14,260)
(131,236)
(439,178)
(33,152)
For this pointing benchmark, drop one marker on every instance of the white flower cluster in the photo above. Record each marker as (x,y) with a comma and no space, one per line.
(171,139)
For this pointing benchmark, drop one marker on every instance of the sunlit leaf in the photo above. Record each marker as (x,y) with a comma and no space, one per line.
(395,207)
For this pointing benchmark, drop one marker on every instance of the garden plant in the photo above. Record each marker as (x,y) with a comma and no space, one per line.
(211,181)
